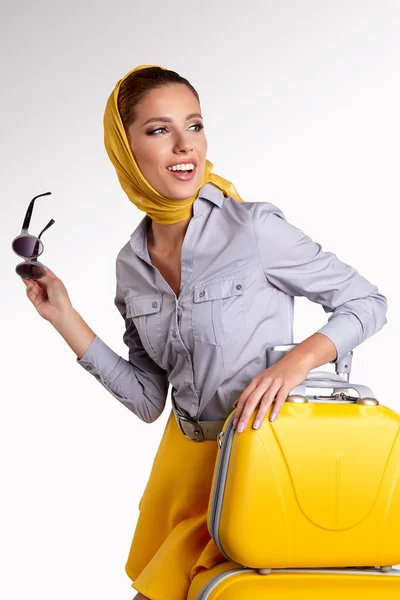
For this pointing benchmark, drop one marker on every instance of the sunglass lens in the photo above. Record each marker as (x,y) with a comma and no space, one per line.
(28,246)
(30,271)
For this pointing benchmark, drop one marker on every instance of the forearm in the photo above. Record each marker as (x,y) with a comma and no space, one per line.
(313,352)
(75,331)
(138,383)
(142,387)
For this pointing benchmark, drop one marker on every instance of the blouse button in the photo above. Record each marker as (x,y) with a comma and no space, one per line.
(154,304)
(239,287)
(174,334)
(201,294)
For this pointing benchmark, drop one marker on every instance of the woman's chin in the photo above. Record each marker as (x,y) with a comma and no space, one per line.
(171,187)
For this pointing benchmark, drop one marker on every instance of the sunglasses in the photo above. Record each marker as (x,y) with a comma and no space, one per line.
(30,247)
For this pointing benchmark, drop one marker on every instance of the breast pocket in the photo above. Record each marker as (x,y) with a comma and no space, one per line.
(145,311)
(218,310)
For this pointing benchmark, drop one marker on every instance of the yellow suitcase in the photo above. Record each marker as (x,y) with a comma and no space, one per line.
(308,505)
(227,581)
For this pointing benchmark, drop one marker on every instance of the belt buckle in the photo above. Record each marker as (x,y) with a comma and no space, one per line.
(194,428)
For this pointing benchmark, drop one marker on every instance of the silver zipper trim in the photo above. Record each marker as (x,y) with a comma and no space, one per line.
(222,469)
(215,581)
(211,585)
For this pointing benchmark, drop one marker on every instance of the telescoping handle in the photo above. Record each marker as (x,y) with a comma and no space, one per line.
(342,366)
(322,379)
(326,379)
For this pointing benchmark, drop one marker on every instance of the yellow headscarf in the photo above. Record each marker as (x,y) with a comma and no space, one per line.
(136,187)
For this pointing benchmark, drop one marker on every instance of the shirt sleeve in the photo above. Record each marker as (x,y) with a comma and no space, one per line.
(297,265)
(138,383)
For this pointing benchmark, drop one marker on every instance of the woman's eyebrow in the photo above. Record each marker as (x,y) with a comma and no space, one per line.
(167,120)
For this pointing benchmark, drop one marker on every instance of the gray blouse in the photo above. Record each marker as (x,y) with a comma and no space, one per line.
(242,263)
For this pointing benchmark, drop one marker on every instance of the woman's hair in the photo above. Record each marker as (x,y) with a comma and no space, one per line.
(139,83)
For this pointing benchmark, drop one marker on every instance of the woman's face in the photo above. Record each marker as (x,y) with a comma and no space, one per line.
(175,134)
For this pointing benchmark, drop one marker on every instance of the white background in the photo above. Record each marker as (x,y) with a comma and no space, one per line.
(301,108)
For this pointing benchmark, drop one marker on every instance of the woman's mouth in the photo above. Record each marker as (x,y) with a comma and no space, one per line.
(183,175)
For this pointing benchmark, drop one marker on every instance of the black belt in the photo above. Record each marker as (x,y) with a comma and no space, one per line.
(197,431)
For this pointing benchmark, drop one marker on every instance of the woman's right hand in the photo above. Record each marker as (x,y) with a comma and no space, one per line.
(48,295)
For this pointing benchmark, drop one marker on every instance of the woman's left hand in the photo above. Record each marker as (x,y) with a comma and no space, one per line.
(278,380)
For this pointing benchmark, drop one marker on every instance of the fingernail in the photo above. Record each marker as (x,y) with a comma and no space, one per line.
(272,416)
(235,422)
(256,424)
(241,426)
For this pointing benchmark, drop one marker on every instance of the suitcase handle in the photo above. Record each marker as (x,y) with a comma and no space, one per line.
(326,379)
(342,366)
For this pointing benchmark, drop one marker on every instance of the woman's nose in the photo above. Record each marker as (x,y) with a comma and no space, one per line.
(183,142)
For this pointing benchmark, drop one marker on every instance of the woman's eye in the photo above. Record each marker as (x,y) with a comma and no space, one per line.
(154,130)
(200,126)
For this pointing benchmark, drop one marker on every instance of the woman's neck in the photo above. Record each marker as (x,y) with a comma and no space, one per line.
(167,239)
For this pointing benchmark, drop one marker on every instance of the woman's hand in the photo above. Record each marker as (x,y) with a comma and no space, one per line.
(278,380)
(48,295)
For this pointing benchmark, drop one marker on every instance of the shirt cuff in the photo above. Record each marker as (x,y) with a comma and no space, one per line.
(99,360)
(345,331)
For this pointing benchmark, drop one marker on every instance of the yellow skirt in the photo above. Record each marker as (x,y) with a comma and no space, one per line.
(171,542)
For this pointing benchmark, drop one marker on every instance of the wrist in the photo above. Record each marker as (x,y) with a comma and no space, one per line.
(63,317)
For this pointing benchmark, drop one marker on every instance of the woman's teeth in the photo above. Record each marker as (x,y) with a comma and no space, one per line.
(182,167)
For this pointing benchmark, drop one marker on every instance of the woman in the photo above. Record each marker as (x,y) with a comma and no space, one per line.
(205,284)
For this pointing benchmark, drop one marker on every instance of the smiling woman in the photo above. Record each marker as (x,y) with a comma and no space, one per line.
(153,120)
(205,284)
(178,142)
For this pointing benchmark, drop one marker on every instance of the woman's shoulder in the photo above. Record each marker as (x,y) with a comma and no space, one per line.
(250,210)
(126,262)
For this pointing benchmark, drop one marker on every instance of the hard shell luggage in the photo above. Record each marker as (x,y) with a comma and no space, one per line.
(308,505)
(227,581)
